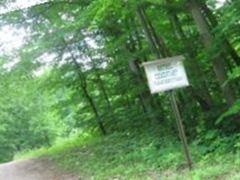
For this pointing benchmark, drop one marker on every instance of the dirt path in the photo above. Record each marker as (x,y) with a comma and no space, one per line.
(33,169)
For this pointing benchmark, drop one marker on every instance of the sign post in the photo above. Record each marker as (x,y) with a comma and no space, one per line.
(181,129)
(165,75)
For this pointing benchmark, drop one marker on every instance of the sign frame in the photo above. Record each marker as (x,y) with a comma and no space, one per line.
(152,71)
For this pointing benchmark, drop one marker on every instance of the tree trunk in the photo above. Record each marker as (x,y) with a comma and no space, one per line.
(125,99)
(199,90)
(144,94)
(145,97)
(83,85)
(164,51)
(218,61)
(102,87)
(104,91)
(148,33)
(214,23)
(92,104)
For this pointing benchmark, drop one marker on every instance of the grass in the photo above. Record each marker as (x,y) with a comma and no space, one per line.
(142,157)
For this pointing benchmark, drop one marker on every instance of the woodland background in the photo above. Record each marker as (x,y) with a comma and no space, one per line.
(76,81)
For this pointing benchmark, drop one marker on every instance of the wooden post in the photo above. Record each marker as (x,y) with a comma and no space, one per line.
(180,129)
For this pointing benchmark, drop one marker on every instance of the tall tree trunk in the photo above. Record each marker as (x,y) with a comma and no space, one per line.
(226,44)
(83,84)
(144,95)
(99,79)
(148,33)
(125,99)
(146,100)
(199,90)
(218,61)
(102,86)
(104,91)
(158,40)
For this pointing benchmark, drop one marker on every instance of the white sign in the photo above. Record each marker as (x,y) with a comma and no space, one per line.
(166,74)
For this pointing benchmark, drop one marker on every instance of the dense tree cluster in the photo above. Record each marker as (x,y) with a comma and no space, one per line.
(91,52)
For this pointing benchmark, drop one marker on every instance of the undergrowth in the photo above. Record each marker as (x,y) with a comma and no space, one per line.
(140,156)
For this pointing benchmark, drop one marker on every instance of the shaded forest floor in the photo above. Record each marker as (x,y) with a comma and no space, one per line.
(130,157)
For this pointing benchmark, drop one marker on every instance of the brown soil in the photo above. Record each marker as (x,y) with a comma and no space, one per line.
(33,169)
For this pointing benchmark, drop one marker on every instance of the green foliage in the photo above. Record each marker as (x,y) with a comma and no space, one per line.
(234,110)
(140,156)
(235,74)
(79,70)
(25,120)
